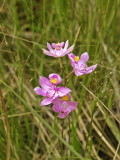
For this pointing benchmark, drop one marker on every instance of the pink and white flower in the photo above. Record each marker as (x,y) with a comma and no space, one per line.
(58,49)
(49,90)
(64,106)
(79,64)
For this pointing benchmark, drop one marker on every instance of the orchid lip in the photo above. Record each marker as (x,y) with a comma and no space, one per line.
(76,58)
(53,80)
(62,112)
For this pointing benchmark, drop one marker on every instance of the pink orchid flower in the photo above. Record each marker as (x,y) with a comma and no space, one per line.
(58,49)
(64,106)
(49,89)
(79,64)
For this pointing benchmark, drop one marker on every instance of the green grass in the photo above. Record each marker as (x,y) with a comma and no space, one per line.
(31,132)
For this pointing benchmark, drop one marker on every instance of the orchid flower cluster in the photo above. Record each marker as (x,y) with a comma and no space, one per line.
(60,96)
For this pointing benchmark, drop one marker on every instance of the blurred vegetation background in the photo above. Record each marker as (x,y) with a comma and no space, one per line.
(31,132)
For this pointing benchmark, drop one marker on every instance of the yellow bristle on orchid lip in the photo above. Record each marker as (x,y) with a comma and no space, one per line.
(58,46)
(58,43)
(65,98)
(53,80)
(76,58)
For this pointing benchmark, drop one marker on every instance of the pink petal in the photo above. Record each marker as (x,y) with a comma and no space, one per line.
(72,105)
(66,45)
(49,53)
(68,50)
(57,106)
(78,72)
(46,101)
(87,70)
(62,91)
(49,47)
(40,91)
(45,83)
(54,45)
(63,115)
(84,57)
(71,56)
(62,44)
(50,92)
(56,76)
(90,69)
(56,101)
(72,61)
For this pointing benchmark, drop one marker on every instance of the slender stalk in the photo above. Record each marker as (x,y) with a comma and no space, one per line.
(116,151)
(102,104)
(65,80)
(60,63)
(22,39)
(63,138)
(7,128)
(69,133)
(69,128)
(69,74)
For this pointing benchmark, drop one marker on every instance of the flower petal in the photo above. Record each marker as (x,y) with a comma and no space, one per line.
(46,101)
(68,50)
(78,72)
(45,83)
(84,57)
(49,47)
(57,105)
(90,69)
(50,93)
(48,53)
(56,108)
(62,44)
(54,45)
(55,76)
(63,114)
(66,45)
(40,91)
(62,91)
(87,70)
(71,57)
(72,105)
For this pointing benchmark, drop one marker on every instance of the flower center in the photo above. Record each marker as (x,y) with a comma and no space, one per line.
(58,46)
(76,58)
(47,96)
(53,80)
(62,112)
(65,98)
